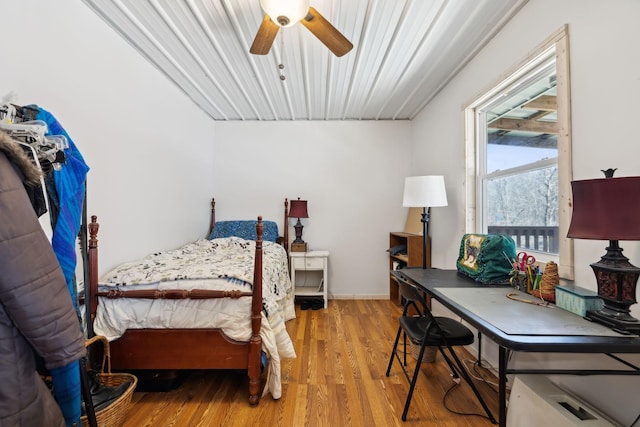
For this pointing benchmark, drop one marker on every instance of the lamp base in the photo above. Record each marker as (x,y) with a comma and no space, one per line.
(616,278)
(299,247)
(626,327)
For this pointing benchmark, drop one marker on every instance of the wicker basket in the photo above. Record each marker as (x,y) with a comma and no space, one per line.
(114,414)
(429,353)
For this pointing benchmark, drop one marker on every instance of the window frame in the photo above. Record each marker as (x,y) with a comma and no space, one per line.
(557,45)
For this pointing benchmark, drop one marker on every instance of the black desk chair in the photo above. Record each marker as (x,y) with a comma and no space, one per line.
(426,330)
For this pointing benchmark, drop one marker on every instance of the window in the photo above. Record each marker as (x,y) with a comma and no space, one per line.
(519,156)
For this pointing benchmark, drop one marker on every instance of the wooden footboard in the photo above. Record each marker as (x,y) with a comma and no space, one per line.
(140,349)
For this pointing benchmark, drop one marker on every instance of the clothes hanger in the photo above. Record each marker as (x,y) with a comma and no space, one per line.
(55,154)
(35,128)
(8,113)
(48,148)
(37,163)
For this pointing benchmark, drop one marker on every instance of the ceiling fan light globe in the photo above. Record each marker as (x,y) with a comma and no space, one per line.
(285,13)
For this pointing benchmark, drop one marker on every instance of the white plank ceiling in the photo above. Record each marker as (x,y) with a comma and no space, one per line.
(404,52)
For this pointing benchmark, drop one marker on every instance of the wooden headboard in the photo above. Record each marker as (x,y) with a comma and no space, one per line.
(283,240)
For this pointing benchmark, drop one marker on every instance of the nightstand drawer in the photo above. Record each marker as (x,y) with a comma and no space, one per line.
(308,263)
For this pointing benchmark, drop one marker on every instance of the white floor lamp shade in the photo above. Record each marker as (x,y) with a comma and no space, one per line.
(424,192)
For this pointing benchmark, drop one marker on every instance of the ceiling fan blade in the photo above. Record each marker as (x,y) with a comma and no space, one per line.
(326,33)
(264,38)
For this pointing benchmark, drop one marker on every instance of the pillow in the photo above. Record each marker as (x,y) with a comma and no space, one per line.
(485,257)
(245,229)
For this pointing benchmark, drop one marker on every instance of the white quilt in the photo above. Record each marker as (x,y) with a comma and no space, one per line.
(218,264)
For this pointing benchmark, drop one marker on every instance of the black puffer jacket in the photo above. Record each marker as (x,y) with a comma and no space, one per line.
(35,307)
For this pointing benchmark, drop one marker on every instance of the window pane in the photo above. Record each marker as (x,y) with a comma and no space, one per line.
(503,157)
(525,206)
(522,122)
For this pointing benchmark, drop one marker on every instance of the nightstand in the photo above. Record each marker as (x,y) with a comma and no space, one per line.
(309,274)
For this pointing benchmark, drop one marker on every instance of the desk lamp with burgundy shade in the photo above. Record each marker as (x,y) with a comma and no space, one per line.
(298,210)
(609,209)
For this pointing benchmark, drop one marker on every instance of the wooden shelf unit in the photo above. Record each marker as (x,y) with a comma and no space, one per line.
(413,257)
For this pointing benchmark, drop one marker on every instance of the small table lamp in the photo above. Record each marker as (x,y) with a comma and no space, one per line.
(607,209)
(424,192)
(298,210)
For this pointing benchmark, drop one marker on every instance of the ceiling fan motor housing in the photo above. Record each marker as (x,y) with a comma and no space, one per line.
(285,13)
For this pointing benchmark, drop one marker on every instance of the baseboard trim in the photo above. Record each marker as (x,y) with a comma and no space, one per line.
(369,296)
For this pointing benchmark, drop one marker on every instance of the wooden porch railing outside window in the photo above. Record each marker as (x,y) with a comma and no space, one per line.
(538,238)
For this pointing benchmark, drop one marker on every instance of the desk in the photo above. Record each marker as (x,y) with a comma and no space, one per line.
(516,326)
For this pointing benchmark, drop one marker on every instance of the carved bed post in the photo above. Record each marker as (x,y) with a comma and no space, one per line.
(255,344)
(212,218)
(93,267)
(286,226)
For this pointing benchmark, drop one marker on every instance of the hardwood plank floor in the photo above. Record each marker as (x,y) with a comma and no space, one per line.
(338,379)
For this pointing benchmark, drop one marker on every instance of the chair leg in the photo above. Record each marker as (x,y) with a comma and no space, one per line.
(416,372)
(404,348)
(394,350)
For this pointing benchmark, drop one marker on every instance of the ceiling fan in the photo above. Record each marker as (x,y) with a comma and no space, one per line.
(285,13)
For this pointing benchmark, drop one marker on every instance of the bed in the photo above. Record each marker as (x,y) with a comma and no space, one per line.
(217,303)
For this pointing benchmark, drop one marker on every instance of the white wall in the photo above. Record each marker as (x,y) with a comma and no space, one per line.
(351,173)
(148,146)
(605,84)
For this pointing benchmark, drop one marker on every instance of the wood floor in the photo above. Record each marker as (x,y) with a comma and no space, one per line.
(338,379)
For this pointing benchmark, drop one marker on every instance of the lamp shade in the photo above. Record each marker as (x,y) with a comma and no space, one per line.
(285,12)
(606,209)
(298,209)
(424,191)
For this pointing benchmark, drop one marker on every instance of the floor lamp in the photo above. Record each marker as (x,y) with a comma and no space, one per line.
(424,192)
